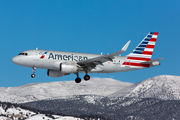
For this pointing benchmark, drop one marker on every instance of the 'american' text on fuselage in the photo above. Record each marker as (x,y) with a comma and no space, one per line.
(67,57)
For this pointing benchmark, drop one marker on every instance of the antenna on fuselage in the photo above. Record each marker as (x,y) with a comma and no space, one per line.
(37,48)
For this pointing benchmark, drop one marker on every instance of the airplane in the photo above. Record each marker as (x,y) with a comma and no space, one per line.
(59,63)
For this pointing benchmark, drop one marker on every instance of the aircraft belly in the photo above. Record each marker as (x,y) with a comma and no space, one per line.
(125,69)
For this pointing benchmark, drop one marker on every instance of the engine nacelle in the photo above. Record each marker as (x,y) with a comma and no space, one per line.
(54,73)
(68,68)
(65,68)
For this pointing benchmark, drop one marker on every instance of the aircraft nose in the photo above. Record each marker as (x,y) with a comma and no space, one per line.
(15,59)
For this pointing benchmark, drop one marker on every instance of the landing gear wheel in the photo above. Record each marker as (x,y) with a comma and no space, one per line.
(78,80)
(86,77)
(33,75)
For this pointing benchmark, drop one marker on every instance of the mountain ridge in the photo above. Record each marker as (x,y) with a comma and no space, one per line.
(40,91)
(154,98)
(112,108)
(166,87)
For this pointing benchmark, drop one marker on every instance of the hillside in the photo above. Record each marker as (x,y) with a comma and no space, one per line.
(156,98)
(165,87)
(112,108)
(10,111)
(52,90)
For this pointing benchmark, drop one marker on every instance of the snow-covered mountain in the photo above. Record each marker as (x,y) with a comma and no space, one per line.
(155,98)
(166,87)
(54,90)
(111,108)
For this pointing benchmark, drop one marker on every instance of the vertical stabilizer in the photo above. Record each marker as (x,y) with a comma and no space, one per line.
(143,52)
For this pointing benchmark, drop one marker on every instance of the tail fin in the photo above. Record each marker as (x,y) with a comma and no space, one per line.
(144,51)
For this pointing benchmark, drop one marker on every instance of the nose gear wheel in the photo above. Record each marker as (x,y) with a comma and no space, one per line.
(32,75)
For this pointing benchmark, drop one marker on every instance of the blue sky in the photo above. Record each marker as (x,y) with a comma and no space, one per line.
(92,26)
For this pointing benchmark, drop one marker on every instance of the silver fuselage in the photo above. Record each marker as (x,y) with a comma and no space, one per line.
(33,59)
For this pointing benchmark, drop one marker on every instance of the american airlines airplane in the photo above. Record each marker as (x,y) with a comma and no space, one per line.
(60,63)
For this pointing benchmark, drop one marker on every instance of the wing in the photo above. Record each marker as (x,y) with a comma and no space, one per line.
(101,59)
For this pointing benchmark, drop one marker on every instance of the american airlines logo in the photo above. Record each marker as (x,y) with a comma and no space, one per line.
(67,57)
(42,56)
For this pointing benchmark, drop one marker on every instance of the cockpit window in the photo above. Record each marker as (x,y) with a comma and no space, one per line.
(23,54)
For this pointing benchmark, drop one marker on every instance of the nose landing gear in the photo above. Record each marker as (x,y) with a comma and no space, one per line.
(34,70)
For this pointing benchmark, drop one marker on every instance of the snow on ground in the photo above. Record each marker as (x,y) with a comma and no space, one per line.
(17,113)
(43,117)
(40,91)
(166,87)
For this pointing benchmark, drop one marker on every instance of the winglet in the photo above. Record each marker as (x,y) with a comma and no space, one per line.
(126,46)
(121,51)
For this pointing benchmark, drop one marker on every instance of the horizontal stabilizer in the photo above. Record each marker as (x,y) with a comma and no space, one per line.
(151,61)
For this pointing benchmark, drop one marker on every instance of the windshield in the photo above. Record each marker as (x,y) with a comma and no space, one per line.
(23,54)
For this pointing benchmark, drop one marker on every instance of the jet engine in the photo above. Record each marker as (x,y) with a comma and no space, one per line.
(54,73)
(65,68)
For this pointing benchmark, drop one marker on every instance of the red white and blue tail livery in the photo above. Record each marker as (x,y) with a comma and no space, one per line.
(143,52)
(59,63)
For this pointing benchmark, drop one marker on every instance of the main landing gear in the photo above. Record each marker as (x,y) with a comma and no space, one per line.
(34,70)
(78,79)
(86,77)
